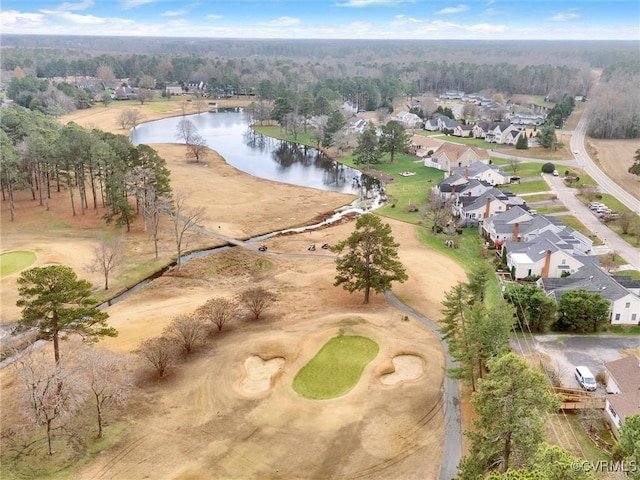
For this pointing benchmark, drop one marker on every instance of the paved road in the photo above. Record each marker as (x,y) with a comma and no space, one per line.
(605,183)
(450,398)
(611,239)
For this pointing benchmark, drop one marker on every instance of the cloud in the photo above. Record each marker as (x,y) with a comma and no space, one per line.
(373,3)
(487,28)
(129,4)
(14,17)
(175,13)
(82,5)
(564,17)
(451,10)
(404,20)
(75,18)
(281,22)
(213,17)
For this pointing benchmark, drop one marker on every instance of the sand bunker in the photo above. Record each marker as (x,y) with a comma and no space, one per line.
(259,373)
(408,367)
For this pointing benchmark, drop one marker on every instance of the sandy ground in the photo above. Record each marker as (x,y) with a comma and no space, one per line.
(201,421)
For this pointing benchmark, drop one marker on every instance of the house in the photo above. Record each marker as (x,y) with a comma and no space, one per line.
(452,95)
(546,256)
(502,133)
(472,209)
(420,145)
(527,117)
(624,302)
(463,131)
(491,174)
(408,119)
(450,155)
(440,123)
(174,89)
(623,387)
(356,125)
(124,93)
(350,107)
(196,85)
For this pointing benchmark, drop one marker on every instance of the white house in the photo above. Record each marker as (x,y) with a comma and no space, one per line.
(491,174)
(463,131)
(623,387)
(356,125)
(624,302)
(408,119)
(350,107)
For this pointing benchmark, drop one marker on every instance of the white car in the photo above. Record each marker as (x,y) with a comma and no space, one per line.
(576,152)
(555,173)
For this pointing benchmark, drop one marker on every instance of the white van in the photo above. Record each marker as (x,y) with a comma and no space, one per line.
(585,378)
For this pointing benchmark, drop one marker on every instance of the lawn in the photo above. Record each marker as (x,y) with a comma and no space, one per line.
(336,368)
(281,134)
(546,210)
(573,222)
(540,197)
(12,262)
(529,187)
(614,204)
(525,169)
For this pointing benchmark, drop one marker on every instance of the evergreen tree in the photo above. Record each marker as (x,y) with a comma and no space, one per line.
(582,311)
(370,261)
(394,139)
(522,143)
(335,123)
(368,150)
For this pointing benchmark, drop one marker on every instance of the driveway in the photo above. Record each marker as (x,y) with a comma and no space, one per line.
(568,351)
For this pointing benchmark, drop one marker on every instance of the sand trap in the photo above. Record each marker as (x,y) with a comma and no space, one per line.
(408,367)
(259,373)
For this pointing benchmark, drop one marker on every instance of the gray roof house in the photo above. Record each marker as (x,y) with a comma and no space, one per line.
(623,387)
(489,173)
(625,304)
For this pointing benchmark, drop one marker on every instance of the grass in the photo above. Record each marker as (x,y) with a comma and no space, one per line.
(573,222)
(29,459)
(525,169)
(529,187)
(635,274)
(336,368)
(545,210)
(11,262)
(540,197)
(631,330)
(281,134)
(578,442)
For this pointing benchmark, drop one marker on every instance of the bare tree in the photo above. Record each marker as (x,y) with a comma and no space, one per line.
(470,111)
(199,102)
(218,311)
(157,207)
(626,220)
(257,300)
(197,148)
(185,221)
(185,131)
(590,192)
(129,118)
(145,95)
(105,73)
(107,256)
(382,114)
(147,82)
(187,331)
(439,209)
(51,394)
(514,163)
(106,374)
(160,352)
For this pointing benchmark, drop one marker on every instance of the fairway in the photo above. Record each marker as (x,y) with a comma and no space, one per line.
(12,262)
(336,368)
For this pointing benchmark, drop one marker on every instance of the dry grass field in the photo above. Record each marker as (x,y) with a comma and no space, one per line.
(202,421)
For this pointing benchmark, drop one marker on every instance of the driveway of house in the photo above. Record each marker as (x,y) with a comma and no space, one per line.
(567,351)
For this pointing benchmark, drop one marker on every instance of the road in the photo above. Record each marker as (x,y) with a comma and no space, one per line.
(450,398)
(610,238)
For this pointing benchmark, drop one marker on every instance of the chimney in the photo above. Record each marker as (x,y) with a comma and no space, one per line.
(487,207)
(466,173)
(547,263)
(516,228)
(453,191)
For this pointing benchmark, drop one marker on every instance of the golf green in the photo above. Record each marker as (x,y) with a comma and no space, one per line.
(12,262)
(336,368)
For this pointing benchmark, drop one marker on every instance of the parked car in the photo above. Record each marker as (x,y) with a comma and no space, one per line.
(555,173)
(585,378)
(595,205)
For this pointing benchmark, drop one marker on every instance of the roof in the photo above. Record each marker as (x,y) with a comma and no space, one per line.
(455,151)
(590,278)
(626,373)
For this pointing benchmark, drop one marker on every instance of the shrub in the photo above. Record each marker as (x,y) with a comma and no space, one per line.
(548,167)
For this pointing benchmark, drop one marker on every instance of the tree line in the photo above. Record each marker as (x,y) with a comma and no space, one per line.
(98,170)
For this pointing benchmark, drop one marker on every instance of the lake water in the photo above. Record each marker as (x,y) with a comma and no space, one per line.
(228,133)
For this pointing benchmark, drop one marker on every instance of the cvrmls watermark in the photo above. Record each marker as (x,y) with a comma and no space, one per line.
(605,466)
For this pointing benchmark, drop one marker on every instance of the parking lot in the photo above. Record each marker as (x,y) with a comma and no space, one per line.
(565,352)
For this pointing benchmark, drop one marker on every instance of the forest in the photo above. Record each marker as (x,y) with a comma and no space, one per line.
(373,74)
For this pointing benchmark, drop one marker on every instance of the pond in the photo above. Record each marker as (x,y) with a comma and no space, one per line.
(228,133)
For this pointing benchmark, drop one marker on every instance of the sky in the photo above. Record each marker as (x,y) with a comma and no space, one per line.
(329,19)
